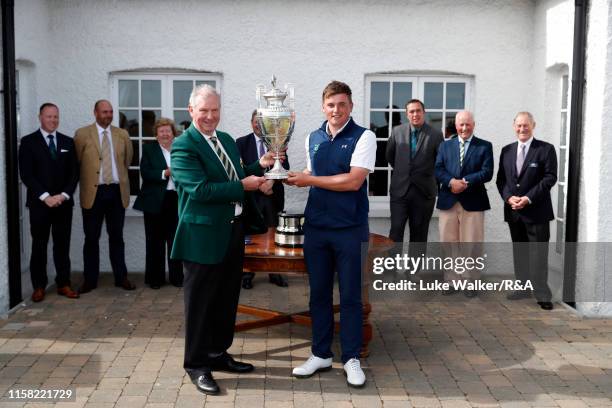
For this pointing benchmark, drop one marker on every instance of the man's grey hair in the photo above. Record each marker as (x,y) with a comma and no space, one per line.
(525,113)
(202,91)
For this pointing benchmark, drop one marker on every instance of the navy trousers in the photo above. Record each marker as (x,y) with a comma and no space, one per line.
(327,251)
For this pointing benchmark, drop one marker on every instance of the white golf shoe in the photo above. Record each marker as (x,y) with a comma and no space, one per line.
(313,365)
(354,374)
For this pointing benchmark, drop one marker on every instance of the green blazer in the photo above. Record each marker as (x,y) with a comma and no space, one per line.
(206,197)
(152,164)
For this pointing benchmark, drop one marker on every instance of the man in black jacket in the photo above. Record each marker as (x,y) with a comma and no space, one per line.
(49,170)
(527,172)
(270,198)
(412,151)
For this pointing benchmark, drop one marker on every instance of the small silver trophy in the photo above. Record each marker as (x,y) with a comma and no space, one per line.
(276,122)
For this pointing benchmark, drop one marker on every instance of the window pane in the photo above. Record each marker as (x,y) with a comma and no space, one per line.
(449,128)
(148,121)
(561,202)
(564,89)
(434,119)
(402,93)
(134,176)
(182,120)
(136,155)
(561,174)
(563,128)
(378,123)
(560,236)
(181,90)
(433,95)
(379,95)
(211,83)
(377,186)
(381,148)
(128,120)
(128,93)
(151,93)
(455,95)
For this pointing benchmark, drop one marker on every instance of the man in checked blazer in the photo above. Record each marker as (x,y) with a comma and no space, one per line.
(48,168)
(104,153)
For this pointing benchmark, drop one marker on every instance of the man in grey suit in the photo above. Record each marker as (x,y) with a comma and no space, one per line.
(412,151)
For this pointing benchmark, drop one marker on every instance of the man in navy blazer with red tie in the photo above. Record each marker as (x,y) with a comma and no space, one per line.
(527,172)
(49,169)
(270,199)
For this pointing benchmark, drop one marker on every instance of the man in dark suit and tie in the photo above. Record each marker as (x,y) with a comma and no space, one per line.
(48,168)
(463,166)
(215,210)
(270,198)
(412,151)
(527,172)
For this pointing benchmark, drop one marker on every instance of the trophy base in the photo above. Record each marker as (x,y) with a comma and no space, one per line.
(272,175)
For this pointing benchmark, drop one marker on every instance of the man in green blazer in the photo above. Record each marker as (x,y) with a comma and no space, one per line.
(215,209)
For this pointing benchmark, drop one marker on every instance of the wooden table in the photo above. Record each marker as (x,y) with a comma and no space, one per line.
(263,255)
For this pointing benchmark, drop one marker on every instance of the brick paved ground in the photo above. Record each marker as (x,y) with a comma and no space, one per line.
(124,349)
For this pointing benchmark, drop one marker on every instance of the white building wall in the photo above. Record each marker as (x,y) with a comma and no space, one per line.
(304,42)
(4,288)
(594,272)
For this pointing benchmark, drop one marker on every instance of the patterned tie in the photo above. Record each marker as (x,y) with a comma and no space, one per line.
(413,142)
(229,169)
(260,148)
(107,162)
(520,159)
(461,152)
(52,148)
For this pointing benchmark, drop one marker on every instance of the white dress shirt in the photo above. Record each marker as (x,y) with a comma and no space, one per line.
(170,185)
(364,155)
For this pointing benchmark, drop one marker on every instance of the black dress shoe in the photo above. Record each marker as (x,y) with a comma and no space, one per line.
(470,293)
(546,305)
(205,383)
(449,291)
(278,280)
(126,285)
(154,286)
(86,287)
(518,294)
(225,362)
(247,283)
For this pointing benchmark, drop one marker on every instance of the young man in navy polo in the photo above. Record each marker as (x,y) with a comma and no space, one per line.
(340,154)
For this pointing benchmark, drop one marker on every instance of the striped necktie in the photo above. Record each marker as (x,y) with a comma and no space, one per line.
(229,169)
(461,152)
(107,161)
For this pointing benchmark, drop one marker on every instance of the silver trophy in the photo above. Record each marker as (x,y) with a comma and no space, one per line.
(276,121)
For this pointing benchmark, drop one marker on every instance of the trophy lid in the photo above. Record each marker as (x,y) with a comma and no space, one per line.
(274,95)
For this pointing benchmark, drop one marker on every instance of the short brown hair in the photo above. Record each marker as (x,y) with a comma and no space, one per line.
(335,88)
(164,122)
(416,101)
(47,105)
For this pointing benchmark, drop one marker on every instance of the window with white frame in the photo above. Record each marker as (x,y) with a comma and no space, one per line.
(142,98)
(386,97)
(562,177)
